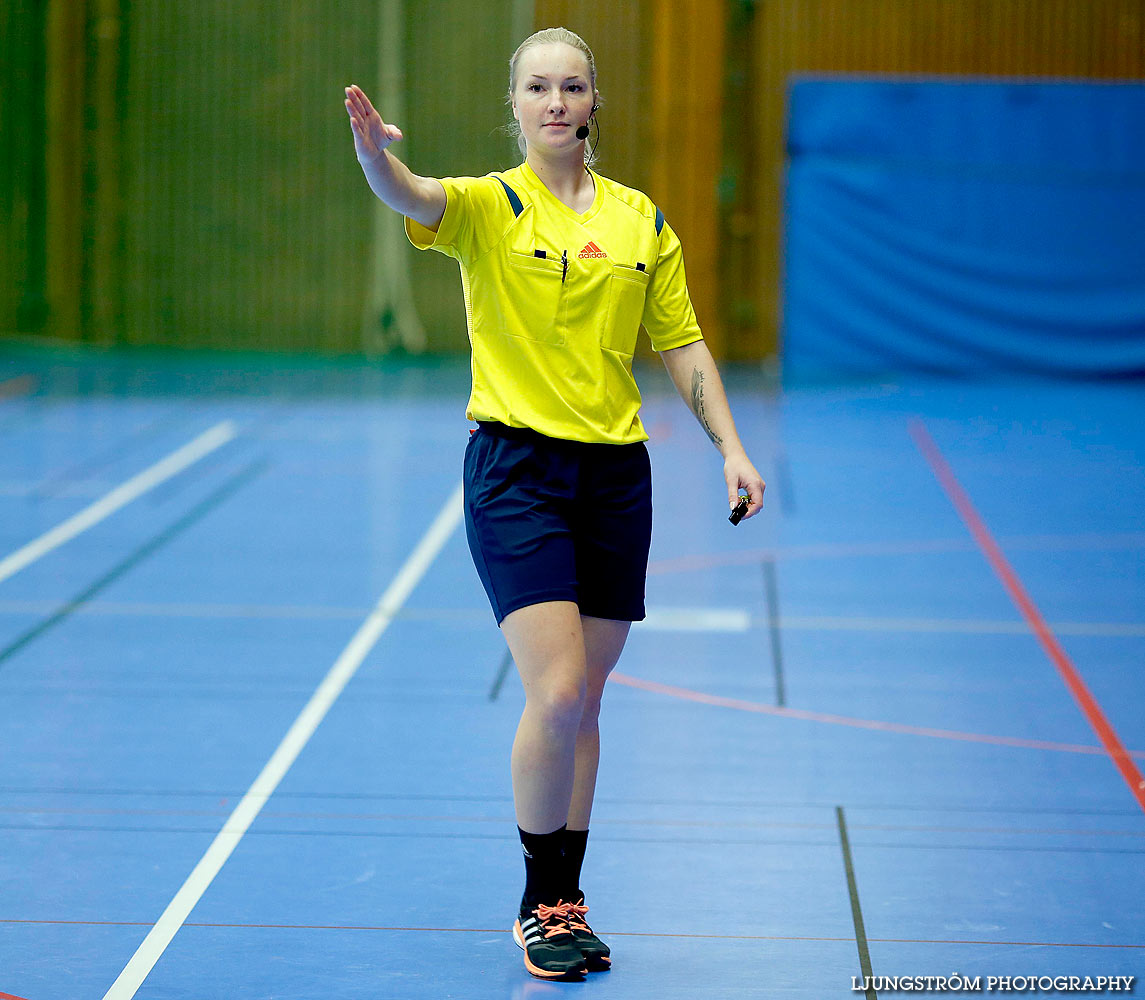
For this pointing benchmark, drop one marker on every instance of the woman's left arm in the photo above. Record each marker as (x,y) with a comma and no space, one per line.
(697,379)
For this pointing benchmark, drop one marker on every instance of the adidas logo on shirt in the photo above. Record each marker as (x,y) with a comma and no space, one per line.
(591,250)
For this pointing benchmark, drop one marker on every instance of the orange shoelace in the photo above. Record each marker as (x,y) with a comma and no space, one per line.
(562,911)
(576,917)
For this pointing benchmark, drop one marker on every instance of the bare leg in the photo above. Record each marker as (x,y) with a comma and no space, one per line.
(548,646)
(603,642)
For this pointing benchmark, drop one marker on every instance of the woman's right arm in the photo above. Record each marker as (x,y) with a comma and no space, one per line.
(421,198)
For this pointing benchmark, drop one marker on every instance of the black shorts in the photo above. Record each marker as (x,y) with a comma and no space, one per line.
(552,520)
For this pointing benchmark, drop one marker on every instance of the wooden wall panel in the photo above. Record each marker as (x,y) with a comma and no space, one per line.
(686,149)
(1058,39)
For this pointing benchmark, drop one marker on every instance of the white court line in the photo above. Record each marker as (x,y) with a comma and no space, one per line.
(663,619)
(962,626)
(296,738)
(666,619)
(119,497)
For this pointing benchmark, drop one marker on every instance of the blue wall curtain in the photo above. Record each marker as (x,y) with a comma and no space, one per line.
(964,226)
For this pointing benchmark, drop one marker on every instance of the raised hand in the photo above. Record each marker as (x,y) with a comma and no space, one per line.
(371,134)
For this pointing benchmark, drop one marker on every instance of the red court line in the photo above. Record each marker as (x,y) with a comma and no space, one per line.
(1018,594)
(611,933)
(701,697)
(22,385)
(601,822)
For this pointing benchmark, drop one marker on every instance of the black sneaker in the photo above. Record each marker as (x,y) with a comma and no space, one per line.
(597,955)
(551,951)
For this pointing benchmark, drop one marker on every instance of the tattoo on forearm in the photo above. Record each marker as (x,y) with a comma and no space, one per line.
(698,405)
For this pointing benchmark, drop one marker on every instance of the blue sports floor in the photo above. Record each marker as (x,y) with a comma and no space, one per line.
(845,741)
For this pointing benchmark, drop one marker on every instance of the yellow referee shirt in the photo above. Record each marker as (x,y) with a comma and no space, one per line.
(554,300)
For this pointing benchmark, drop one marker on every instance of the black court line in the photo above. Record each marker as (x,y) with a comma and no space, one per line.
(856,911)
(771,591)
(135,439)
(272,416)
(420,830)
(200,510)
(502,673)
(644,821)
(785,485)
(221,809)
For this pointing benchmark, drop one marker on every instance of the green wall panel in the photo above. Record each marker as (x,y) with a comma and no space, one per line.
(22,293)
(246,225)
(221,204)
(457,73)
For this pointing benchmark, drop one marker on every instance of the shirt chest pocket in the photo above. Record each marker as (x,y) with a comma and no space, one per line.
(627,288)
(541,296)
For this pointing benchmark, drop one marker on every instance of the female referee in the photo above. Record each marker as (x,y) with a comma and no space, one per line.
(560,267)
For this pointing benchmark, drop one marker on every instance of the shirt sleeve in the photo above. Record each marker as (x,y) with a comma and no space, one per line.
(668,314)
(473,219)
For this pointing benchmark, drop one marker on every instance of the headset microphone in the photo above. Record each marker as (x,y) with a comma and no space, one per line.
(582,132)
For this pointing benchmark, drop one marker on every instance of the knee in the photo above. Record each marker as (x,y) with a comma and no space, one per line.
(561,703)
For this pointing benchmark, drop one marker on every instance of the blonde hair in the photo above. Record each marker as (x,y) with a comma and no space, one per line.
(547,36)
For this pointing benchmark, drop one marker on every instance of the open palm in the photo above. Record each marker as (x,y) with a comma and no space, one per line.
(371,134)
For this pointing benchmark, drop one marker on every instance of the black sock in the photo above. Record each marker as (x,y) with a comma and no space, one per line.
(544,867)
(575,843)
